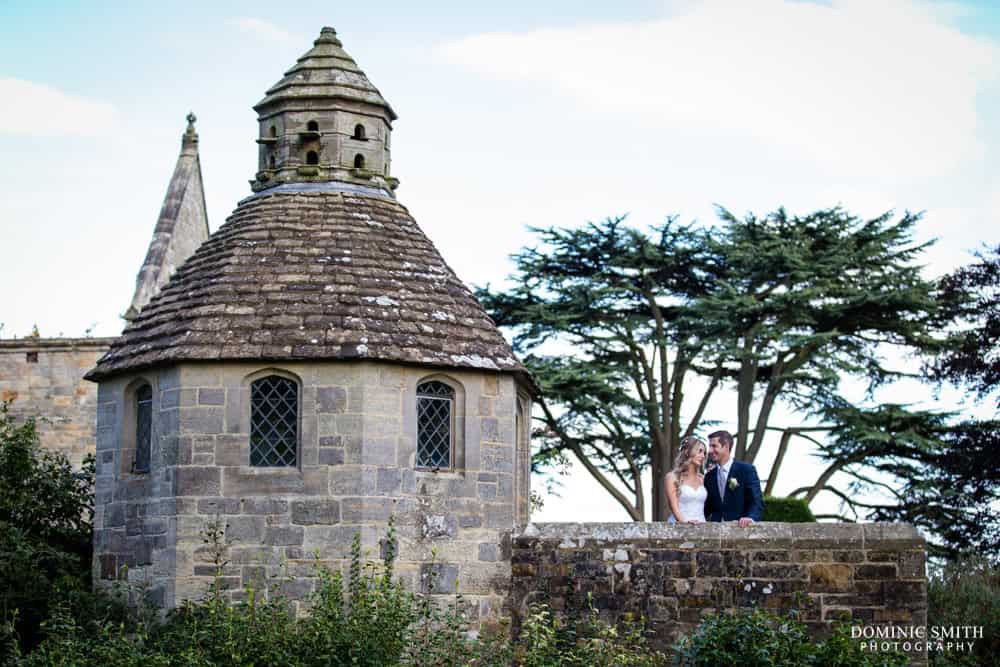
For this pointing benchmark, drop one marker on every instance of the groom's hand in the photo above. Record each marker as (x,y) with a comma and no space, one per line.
(745,521)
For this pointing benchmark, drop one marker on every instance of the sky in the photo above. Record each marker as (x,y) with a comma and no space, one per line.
(523,115)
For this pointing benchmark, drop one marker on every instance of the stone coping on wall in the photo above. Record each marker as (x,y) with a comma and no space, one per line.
(762,535)
(30,344)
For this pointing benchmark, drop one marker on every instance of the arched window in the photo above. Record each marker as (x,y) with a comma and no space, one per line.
(312,157)
(435,424)
(312,126)
(274,131)
(274,421)
(270,162)
(359,132)
(359,161)
(143,428)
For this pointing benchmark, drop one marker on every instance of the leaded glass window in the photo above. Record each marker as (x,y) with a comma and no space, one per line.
(274,421)
(435,410)
(143,428)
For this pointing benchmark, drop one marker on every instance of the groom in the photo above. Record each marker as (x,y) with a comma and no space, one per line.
(733,486)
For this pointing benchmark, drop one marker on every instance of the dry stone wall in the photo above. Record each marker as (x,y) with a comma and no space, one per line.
(673,575)
(43,377)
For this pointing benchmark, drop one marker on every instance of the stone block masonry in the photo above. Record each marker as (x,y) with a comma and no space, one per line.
(355,469)
(43,377)
(673,575)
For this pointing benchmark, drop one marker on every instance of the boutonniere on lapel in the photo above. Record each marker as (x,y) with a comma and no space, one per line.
(733,483)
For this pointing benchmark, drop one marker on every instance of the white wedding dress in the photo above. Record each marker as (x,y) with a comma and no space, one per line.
(692,503)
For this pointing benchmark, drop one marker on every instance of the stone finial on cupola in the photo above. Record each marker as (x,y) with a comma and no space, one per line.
(324,121)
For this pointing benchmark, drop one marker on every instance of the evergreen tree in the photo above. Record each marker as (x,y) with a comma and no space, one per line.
(619,309)
(619,325)
(972,294)
(957,493)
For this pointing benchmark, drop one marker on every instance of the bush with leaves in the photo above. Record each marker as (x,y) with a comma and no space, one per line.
(367,618)
(967,592)
(791,510)
(759,639)
(545,641)
(46,510)
(364,618)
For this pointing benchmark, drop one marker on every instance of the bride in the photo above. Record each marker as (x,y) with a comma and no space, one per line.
(686,490)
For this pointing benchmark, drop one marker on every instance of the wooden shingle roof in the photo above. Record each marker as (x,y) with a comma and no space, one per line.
(314,275)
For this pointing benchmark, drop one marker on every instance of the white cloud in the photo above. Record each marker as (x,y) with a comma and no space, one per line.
(37,110)
(261,29)
(875,88)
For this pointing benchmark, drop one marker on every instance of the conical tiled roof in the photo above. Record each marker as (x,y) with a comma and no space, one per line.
(325,71)
(181,227)
(331,274)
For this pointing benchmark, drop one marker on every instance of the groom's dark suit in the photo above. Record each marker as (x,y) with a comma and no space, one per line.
(742,497)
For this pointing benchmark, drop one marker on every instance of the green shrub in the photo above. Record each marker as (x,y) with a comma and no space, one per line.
(967,592)
(759,639)
(46,510)
(544,641)
(364,619)
(791,510)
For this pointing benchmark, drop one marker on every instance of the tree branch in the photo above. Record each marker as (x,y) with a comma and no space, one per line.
(661,346)
(868,480)
(821,481)
(834,516)
(640,494)
(778,458)
(744,392)
(779,378)
(703,404)
(595,472)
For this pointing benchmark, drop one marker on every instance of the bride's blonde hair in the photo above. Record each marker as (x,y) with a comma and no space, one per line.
(689,444)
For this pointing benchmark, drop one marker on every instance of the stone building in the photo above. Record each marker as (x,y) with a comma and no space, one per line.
(313,369)
(43,377)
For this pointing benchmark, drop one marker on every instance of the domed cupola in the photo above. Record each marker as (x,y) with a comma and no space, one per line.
(324,121)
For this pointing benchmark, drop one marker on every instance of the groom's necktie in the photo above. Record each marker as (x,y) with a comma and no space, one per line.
(722,482)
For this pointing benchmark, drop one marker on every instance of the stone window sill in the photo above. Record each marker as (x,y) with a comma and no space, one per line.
(447,474)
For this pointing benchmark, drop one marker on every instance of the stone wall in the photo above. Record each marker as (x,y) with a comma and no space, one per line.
(355,470)
(43,377)
(675,574)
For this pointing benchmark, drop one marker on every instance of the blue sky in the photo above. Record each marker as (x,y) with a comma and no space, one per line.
(526,113)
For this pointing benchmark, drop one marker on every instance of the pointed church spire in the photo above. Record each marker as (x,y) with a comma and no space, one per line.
(181,227)
(324,121)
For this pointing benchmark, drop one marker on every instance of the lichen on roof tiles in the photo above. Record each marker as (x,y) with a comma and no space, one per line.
(396,301)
